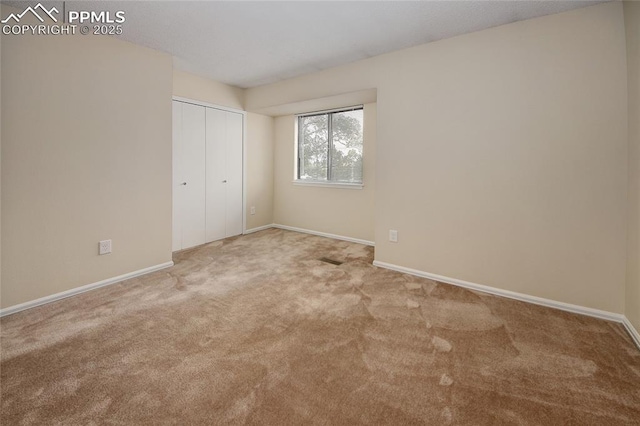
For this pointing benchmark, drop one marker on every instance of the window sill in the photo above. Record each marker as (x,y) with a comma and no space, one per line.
(338,185)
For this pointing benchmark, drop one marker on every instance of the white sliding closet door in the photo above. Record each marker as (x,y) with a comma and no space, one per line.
(234,174)
(176,159)
(216,174)
(207,174)
(189,175)
(224,174)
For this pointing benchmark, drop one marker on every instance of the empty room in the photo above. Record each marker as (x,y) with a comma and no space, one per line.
(320,212)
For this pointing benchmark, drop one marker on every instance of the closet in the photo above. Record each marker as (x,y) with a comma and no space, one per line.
(207,174)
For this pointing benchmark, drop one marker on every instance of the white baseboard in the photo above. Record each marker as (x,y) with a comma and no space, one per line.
(324,234)
(258,229)
(68,293)
(609,316)
(577,309)
(632,331)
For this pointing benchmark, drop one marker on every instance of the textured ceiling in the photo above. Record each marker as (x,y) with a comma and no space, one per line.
(248,44)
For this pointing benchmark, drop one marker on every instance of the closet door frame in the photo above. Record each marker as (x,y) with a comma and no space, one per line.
(244,147)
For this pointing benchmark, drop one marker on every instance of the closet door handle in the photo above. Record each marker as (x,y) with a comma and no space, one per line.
(224,181)
(184,184)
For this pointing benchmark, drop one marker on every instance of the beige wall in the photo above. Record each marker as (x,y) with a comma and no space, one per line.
(1,170)
(260,150)
(339,211)
(632,25)
(86,156)
(494,161)
(198,88)
(501,155)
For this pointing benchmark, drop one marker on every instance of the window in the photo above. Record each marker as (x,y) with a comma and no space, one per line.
(330,146)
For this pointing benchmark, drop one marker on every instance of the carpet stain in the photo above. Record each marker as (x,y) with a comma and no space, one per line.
(413,286)
(412,304)
(447,416)
(445,380)
(440,344)
(256,330)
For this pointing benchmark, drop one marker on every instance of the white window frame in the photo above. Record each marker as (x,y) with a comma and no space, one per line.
(325,183)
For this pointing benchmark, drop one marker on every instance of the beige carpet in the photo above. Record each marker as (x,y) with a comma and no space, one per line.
(257,330)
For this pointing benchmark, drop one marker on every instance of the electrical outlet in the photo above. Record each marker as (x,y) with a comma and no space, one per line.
(253,209)
(105,246)
(393,235)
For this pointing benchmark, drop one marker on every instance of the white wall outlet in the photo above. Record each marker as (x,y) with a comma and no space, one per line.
(393,235)
(253,209)
(105,246)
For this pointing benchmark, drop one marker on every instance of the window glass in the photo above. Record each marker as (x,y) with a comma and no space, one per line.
(346,155)
(330,146)
(314,147)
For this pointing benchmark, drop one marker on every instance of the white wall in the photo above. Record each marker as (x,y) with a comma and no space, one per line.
(86,156)
(344,212)
(632,25)
(501,155)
